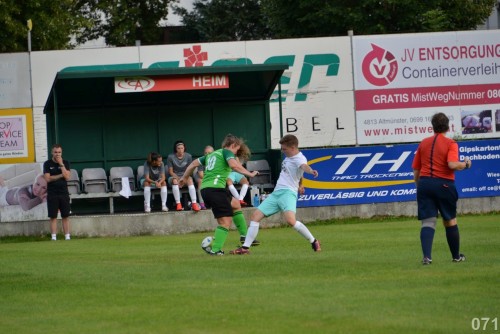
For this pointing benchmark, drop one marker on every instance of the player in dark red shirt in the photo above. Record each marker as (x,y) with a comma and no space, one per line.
(434,166)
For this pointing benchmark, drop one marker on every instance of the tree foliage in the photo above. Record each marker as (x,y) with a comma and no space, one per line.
(54,22)
(302,18)
(220,20)
(122,22)
(64,24)
(225,20)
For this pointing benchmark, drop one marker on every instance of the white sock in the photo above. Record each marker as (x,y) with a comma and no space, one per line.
(177,193)
(243,191)
(67,236)
(252,232)
(303,230)
(233,191)
(163,194)
(54,236)
(192,193)
(147,196)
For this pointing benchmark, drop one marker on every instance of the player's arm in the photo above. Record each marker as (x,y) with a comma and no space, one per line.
(146,175)
(307,169)
(453,160)
(171,172)
(65,172)
(189,171)
(163,177)
(460,165)
(238,167)
(302,190)
(52,178)
(416,176)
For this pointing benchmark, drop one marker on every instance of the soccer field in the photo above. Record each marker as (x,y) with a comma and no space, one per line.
(367,279)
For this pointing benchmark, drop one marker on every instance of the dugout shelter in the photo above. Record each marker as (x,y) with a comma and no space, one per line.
(112,117)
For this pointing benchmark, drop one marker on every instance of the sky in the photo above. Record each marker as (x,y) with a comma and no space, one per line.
(172,19)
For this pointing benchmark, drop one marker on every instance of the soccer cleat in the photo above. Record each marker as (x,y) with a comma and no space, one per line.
(316,246)
(243,203)
(461,258)
(219,253)
(195,207)
(254,243)
(240,251)
(164,208)
(202,206)
(178,207)
(426,261)
(147,208)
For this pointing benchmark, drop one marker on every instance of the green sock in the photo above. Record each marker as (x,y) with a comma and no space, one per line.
(240,222)
(220,238)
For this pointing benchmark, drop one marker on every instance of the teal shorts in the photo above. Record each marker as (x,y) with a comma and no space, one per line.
(235,177)
(279,201)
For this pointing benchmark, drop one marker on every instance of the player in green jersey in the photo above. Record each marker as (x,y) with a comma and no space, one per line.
(218,165)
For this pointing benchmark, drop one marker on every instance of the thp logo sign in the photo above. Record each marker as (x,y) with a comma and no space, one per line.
(379,66)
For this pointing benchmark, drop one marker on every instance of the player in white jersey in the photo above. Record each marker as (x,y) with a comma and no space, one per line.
(284,197)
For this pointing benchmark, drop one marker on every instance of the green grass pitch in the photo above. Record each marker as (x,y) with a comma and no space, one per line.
(367,279)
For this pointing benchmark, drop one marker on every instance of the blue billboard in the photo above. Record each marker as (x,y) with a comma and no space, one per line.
(378,174)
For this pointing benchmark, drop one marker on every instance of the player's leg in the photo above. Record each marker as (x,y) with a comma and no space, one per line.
(218,200)
(232,188)
(266,209)
(251,237)
(453,239)
(288,204)
(52,210)
(238,217)
(427,237)
(244,189)
(220,234)
(302,230)
(176,192)
(427,213)
(65,209)
(164,196)
(147,195)
(198,181)
(192,195)
(448,208)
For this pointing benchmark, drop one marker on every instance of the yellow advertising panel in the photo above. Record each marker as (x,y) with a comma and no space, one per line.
(16,136)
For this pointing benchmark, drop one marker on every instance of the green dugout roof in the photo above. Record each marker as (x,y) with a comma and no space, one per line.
(95,89)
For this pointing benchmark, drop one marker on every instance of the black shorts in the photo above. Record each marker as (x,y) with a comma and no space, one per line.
(436,194)
(57,203)
(219,199)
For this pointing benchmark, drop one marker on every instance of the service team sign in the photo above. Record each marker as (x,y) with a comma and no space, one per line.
(16,136)
(401,82)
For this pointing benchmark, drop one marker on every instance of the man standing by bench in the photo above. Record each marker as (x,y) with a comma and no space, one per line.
(56,172)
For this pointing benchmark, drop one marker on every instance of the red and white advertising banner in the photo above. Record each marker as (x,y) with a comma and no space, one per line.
(170,83)
(402,80)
